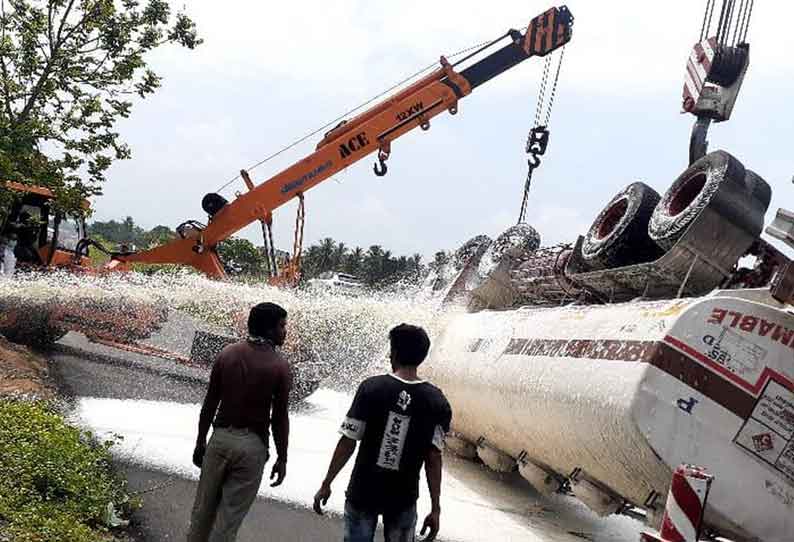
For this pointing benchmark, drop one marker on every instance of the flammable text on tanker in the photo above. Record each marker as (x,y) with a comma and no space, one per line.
(753,324)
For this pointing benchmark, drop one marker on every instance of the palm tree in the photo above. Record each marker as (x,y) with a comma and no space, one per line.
(402,265)
(416,263)
(311,262)
(373,264)
(338,258)
(354,261)
(326,254)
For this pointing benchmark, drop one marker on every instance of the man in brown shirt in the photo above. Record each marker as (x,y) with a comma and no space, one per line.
(250,381)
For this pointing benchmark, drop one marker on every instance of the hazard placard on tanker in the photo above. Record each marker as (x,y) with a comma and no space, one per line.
(769,432)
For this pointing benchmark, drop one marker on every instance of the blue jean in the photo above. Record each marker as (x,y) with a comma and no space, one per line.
(398,526)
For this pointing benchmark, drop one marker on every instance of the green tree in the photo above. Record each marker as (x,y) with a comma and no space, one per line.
(125,232)
(159,235)
(310,262)
(376,266)
(416,263)
(373,265)
(338,257)
(68,69)
(326,255)
(241,257)
(354,261)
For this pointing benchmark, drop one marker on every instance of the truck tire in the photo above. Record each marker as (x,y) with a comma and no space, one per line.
(692,192)
(619,236)
(470,249)
(515,242)
(759,188)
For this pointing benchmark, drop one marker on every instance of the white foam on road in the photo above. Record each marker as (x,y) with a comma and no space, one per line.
(476,503)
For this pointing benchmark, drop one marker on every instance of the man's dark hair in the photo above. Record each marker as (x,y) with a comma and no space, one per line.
(263,318)
(409,344)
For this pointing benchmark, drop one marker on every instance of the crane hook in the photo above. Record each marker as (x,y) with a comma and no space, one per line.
(381,168)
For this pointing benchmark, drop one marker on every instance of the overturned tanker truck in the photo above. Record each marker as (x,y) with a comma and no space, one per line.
(663,336)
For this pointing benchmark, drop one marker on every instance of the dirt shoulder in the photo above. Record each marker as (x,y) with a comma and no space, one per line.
(23,373)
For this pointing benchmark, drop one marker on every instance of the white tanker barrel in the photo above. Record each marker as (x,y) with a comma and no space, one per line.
(620,395)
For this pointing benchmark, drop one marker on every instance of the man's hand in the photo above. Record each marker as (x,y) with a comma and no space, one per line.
(279,472)
(432,523)
(321,498)
(198,454)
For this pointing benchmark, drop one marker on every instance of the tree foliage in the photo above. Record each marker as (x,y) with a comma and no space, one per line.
(127,232)
(241,257)
(69,70)
(376,266)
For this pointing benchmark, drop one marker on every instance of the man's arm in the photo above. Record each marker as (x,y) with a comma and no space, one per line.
(280,423)
(433,464)
(208,409)
(344,450)
(353,427)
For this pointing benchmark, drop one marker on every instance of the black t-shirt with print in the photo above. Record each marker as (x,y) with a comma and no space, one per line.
(397,422)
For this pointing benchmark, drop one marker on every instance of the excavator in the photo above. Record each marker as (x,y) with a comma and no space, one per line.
(40,236)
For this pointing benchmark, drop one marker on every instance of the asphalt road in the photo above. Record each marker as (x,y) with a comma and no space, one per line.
(83,369)
(166,513)
(479,504)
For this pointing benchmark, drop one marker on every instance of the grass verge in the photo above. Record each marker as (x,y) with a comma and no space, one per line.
(56,481)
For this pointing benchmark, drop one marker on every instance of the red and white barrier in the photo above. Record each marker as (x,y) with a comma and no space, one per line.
(683,513)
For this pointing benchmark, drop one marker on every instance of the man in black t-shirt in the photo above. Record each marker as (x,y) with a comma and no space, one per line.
(401,422)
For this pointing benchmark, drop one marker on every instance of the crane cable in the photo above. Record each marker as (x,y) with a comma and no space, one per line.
(538,137)
(733,23)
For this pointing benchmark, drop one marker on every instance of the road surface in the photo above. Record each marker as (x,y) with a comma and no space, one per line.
(154,405)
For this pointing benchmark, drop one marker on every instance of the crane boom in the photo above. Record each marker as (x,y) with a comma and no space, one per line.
(370,131)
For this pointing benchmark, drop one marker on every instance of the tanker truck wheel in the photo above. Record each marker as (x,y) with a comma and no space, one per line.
(691,192)
(619,236)
(759,188)
(471,249)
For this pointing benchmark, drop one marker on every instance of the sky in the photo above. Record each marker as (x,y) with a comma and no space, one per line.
(270,72)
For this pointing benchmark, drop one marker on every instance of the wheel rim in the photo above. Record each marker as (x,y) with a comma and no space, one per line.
(613,216)
(686,194)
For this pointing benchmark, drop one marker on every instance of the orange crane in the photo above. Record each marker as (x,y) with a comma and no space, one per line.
(346,144)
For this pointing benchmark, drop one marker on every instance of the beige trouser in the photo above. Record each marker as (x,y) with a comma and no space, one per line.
(230,477)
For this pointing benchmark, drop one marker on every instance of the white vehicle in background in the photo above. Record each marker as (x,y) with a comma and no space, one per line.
(331,281)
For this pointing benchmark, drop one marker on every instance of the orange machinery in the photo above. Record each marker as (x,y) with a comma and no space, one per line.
(346,144)
(57,235)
